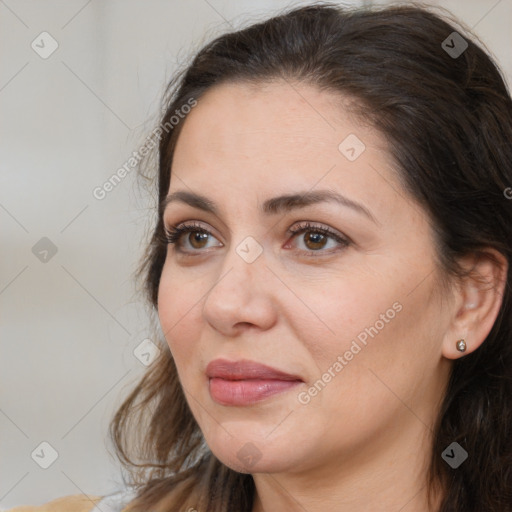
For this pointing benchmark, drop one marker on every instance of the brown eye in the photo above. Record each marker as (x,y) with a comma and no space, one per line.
(197,239)
(314,240)
(188,238)
(317,238)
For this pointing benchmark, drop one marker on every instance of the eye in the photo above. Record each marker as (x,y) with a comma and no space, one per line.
(197,237)
(316,238)
(191,238)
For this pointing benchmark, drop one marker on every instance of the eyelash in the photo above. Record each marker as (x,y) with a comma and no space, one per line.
(173,234)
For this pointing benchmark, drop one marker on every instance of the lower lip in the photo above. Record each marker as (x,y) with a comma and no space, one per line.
(245,392)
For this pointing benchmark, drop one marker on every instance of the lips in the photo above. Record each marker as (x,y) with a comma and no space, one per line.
(245,370)
(245,382)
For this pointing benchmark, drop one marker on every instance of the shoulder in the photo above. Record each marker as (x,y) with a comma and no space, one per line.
(75,503)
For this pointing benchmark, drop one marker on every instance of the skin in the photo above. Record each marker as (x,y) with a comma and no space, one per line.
(363,442)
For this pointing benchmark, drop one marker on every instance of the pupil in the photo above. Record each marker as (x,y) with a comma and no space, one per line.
(316,238)
(198,237)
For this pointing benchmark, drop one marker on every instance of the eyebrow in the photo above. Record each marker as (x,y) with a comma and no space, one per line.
(273,206)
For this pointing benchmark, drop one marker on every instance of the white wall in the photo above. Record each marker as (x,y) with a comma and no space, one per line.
(67,123)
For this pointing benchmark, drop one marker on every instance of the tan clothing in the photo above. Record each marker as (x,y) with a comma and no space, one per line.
(75,503)
(116,501)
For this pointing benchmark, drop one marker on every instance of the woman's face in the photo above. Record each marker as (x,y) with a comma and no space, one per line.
(353,316)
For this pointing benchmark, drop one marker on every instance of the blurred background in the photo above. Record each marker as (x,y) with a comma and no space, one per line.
(80,88)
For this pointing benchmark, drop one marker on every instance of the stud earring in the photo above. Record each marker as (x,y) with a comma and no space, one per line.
(461,345)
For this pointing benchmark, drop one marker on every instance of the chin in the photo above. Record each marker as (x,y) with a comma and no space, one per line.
(254,454)
(249,464)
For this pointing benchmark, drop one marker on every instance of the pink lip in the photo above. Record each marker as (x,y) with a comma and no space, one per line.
(244,382)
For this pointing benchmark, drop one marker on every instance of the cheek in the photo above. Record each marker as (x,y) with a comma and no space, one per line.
(369,323)
(359,387)
(178,308)
(347,309)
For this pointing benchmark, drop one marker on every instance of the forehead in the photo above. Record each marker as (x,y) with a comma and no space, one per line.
(248,118)
(262,139)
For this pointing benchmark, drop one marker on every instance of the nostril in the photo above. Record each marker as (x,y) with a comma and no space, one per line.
(244,325)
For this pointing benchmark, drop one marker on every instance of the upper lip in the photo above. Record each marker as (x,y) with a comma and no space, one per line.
(245,369)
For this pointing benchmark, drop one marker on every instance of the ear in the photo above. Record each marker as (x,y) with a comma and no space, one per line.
(478,300)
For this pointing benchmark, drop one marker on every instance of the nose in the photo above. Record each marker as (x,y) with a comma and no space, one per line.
(242,296)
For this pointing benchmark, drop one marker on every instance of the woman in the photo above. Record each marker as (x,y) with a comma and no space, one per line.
(330,269)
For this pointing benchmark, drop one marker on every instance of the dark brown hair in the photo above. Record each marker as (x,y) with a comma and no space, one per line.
(448,123)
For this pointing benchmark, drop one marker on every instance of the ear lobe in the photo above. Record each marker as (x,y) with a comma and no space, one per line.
(479,298)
